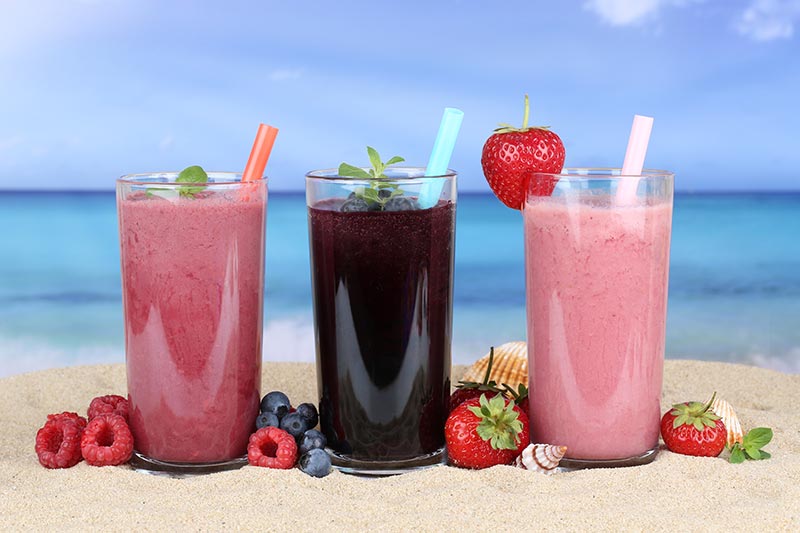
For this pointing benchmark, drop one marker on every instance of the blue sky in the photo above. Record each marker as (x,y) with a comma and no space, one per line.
(93,89)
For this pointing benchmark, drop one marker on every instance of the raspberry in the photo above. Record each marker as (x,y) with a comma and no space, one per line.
(107,441)
(107,405)
(58,442)
(271,447)
(75,417)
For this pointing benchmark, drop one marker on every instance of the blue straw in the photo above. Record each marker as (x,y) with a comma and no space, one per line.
(440,156)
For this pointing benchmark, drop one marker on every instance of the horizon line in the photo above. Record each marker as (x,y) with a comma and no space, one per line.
(468,192)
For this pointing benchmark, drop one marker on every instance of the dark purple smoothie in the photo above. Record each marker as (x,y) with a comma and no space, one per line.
(382,283)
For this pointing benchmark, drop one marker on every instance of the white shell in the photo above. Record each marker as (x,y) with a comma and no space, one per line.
(724,410)
(510,365)
(541,457)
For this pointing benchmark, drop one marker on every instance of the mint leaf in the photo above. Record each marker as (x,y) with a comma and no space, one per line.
(375,160)
(192,174)
(757,438)
(751,445)
(737,455)
(371,195)
(349,171)
(752,453)
(395,159)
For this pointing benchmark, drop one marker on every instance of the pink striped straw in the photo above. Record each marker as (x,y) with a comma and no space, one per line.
(634,159)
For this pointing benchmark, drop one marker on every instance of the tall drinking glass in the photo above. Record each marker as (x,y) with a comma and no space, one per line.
(383,286)
(193,285)
(597,266)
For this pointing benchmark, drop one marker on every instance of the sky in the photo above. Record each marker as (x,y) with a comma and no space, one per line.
(93,89)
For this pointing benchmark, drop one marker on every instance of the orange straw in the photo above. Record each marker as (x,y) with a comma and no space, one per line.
(259,155)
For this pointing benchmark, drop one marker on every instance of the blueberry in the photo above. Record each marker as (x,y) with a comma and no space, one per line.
(267,419)
(401,203)
(309,412)
(276,403)
(355,204)
(316,463)
(312,440)
(294,424)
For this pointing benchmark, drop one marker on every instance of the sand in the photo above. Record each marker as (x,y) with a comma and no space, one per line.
(675,492)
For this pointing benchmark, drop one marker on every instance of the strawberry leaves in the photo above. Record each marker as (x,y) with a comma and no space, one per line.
(695,414)
(750,448)
(500,424)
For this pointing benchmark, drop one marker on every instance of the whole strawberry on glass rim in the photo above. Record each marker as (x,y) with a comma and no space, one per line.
(692,428)
(484,432)
(512,154)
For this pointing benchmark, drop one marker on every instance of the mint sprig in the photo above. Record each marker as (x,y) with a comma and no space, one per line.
(192,174)
(751,446)
(377,193)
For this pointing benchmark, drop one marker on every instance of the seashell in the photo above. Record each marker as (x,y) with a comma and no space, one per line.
(724,410)
(510,365)
(542,458)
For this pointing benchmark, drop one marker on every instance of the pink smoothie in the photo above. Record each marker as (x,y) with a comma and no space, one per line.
(192,272)
(596,281)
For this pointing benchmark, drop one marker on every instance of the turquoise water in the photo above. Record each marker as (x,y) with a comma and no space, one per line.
(734,280)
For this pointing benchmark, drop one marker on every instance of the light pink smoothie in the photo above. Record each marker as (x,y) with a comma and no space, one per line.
(192,272)
(596,281)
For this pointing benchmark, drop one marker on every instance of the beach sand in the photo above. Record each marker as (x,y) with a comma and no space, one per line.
(675,492)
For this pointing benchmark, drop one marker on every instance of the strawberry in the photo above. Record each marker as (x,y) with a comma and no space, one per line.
(512,154)
(692,428)
(469,390)
(485,432)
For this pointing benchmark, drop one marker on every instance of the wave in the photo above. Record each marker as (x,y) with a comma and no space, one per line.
(20,355)
(66,297)
(289,339)
(789,364)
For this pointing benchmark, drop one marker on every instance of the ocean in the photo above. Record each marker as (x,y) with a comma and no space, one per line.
(734,279)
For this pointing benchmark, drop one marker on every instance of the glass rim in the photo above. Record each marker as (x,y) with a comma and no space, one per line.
(229,178)
(604,173)
(331,175)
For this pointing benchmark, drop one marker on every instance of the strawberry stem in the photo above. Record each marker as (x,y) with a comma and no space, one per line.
(708,405)
(489,366)
(527,113)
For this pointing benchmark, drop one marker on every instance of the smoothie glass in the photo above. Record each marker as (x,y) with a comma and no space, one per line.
(382,289)
(597,267)
(192,286)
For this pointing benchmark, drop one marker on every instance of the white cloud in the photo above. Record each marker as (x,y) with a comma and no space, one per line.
(762,20)
(285,74)
(626,12)
(766,20)
(166,143)
(9,143)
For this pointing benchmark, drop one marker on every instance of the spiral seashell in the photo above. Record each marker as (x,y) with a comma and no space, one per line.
(725,411)
(542,458)
(510,365)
